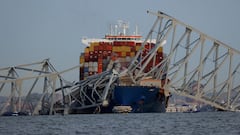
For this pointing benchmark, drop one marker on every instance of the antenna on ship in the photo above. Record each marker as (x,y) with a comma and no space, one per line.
(123,26)
(116,30)
(136,30)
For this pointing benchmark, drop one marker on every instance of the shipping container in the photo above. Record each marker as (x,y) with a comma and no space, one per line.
(132,54)
(115,49)
(99,54)
(109,47)
(85,69)
(125,49)
(86,50)
(160,49)
(100,69)
(138,48)
(81,59)
(90,64)
(123,54)
(86,64)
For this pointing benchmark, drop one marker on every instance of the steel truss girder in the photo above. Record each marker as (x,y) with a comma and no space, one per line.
(24,81)
(193,58)
(94,89)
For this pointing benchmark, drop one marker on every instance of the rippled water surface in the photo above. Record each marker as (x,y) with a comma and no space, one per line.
(220,123)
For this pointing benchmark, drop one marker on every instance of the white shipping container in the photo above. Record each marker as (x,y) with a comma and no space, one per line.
(91,69)
(128,59)
(95,64)
(95,69)
(121,59)
(86,64)
(90,64)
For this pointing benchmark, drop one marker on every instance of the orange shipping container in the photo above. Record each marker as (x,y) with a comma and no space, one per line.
(124,54)
(132,54)
(86,50)
(160,49)
(125,48)
(116,49)
(81,59)
(95,43)
(91,48)
(138,48)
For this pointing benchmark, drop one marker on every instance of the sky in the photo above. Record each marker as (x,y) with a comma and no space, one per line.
(33,30)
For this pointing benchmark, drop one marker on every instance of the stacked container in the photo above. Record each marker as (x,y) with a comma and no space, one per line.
(97,56)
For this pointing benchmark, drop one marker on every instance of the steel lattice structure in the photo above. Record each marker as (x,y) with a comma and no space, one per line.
(197,65)
(32,87)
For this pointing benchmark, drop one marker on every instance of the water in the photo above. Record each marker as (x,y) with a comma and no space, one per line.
(219,123)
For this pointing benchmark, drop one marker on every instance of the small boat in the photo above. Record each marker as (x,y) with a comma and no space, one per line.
(15,114)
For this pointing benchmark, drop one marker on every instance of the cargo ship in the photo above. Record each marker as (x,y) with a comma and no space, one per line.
(118,45)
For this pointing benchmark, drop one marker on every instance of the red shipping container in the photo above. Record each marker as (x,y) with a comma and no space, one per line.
(115,43)
(95,58)
(100,60)
(100,48)
(119,54)
(101,43)
(131,43)
(109,47)
(86,58)
(128,53)
(100,56)
(100,52)
(133,48)
(105,57)
(100,68)
(149,46)
(138,44)
(96,48)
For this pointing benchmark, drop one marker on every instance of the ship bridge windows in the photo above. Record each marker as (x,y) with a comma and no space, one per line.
(123,38)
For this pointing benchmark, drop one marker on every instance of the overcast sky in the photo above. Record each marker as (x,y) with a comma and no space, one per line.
(32,30)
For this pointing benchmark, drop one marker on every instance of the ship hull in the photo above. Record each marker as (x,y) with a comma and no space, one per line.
(141,99)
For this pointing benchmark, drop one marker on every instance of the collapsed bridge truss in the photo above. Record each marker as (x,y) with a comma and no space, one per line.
(197,66)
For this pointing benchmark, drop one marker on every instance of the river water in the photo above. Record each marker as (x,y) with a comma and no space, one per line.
(202,123)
